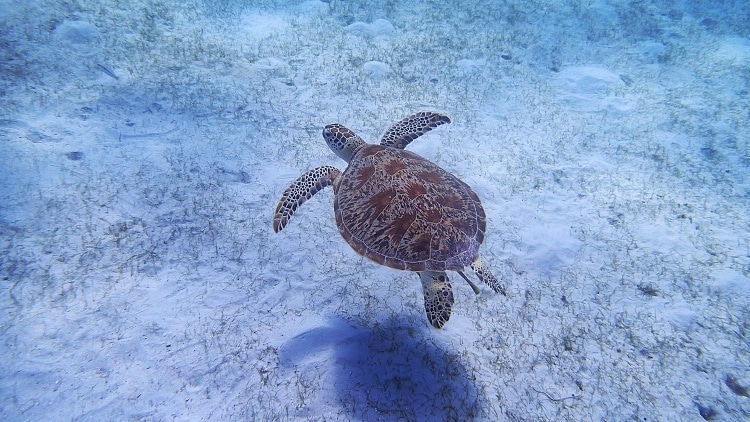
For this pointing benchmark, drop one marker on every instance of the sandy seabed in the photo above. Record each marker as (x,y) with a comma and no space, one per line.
(145,144)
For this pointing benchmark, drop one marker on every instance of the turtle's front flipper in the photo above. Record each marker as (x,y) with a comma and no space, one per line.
(484,274)
(412,127)
(300,191)
(438,297)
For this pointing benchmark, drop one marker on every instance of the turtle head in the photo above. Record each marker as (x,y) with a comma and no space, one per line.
(342,141)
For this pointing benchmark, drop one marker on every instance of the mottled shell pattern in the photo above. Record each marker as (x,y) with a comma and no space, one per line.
(400,210)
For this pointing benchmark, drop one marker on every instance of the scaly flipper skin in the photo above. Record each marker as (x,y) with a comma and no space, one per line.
(412,127)
(300,191)
(483,273)
(438,297)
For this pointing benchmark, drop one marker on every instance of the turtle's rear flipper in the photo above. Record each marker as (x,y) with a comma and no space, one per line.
(483,273)
(438,297)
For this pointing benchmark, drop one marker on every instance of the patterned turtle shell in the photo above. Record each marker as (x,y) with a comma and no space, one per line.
(401,210)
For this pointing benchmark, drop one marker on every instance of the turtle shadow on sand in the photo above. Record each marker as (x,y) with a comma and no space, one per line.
(387,370)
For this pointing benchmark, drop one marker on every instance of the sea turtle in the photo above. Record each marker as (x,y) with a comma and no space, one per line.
(399,209)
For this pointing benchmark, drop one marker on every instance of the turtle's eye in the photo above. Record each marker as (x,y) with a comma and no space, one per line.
(328,132)
(334,137)
(341,140)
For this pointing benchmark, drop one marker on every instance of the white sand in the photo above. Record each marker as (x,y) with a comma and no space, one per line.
(145,144)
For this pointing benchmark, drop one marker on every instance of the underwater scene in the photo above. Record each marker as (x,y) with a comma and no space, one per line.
(523,210)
